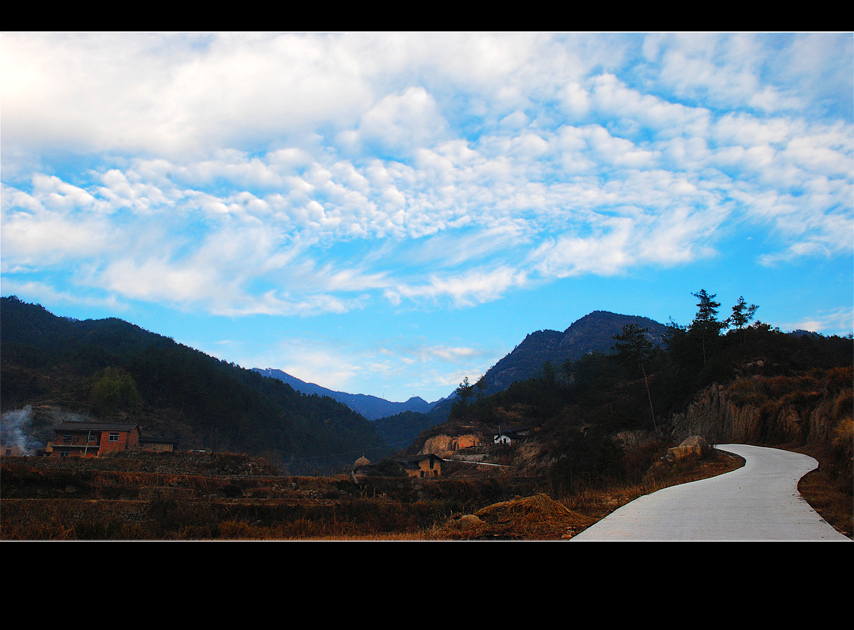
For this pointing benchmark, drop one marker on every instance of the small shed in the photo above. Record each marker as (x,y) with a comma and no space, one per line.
(158,444)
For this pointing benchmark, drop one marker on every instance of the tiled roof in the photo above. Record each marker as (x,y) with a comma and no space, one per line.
(96,426)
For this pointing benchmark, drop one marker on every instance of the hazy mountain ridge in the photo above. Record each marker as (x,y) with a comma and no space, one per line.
(371,407)
(592,333)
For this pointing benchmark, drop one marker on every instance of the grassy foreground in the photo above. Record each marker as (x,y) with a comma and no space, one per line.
(143,500)
(118,499)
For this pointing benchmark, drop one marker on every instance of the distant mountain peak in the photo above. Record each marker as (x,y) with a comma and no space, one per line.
(592,332)
(371,407)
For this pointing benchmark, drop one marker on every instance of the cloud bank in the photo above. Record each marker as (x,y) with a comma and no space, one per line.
(298,174)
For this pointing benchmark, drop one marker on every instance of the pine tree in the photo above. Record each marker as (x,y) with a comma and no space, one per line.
(706,325)
(741,315)
(632,346)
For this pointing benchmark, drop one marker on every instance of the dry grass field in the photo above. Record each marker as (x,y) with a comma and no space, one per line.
(232,497)
(88,501)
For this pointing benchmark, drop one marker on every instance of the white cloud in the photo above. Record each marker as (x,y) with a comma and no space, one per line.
(822,321)
(400,122)
(465,289)
(604,252)
(44,292)
(452,249)
(725,70)
(613,97)
(328,363)
(576,100)
(172,92)
(45,227)
(156,279)
(449,353)
(497,158)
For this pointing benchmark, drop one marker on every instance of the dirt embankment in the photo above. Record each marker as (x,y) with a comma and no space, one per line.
(812,410)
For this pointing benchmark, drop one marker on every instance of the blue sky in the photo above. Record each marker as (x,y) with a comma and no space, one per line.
(387,213)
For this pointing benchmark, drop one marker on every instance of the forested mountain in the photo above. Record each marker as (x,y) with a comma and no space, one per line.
(111,369)
(613,373)
(606,373)
(722,378)
(372,407)
(591,333)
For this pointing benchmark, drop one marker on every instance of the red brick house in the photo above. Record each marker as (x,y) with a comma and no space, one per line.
(92,439)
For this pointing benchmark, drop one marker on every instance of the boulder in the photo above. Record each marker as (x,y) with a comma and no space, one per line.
(694,446)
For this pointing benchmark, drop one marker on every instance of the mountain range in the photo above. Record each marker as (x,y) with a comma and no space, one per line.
(52,359)
(52,363)
(592,333)
(399,424)
(371,407)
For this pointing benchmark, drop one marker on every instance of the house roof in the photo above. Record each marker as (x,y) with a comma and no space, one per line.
(517,430)
(96,426)
(416,458)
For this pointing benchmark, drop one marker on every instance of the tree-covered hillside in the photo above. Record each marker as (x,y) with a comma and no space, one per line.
(591,333)
(110,369)
(581,405)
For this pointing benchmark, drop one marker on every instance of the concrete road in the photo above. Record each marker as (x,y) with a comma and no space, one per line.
(758,502)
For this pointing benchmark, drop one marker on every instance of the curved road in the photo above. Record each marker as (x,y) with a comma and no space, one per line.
(759,501)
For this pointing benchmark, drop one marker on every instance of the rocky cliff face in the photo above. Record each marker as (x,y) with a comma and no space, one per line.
(813,410)
(447,445)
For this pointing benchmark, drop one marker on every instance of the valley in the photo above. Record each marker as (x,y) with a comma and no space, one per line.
(199,497)
(588,429)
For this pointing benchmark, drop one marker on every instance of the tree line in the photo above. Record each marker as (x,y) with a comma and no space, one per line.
(639,383)
(109,368)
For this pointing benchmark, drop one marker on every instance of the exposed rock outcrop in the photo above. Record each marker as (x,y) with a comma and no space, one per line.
(694,446)
(806,409)
(447,445)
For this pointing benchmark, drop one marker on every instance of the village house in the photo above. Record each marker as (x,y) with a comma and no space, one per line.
(12,450)
(422,465)
(419,466)
(92,439)
(508,436)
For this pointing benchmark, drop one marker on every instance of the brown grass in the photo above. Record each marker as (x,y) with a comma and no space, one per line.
(831,498)
(541,518)
(54,504)
(538,517)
